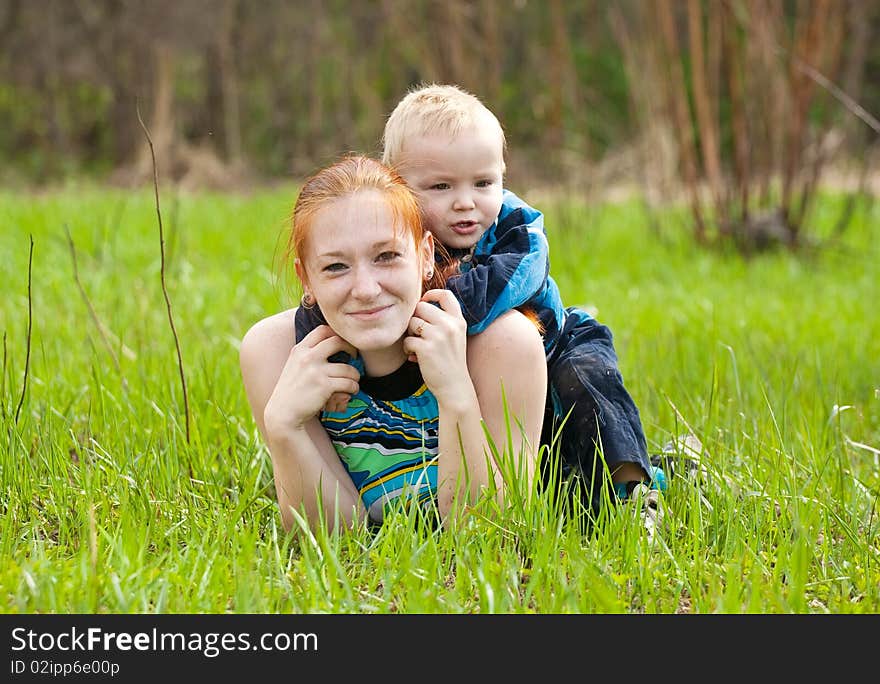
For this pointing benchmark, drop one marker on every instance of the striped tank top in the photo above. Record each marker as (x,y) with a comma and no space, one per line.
(387,439)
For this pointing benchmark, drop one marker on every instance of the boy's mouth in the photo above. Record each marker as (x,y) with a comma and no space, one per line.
(465,227)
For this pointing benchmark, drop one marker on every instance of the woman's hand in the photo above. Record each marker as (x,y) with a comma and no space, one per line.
(308,381)
(438,340)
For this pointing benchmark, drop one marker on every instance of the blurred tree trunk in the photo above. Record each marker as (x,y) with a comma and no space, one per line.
(9,19)
(368,35)
(809,30)
(860,19)
(315,92)
(450,22)
(58,145)
(162,119)
(656,156)
(492,49)
(342,61)
(703,97)
(740,128)
(159,123)
(120,67)
(558,75)
(769,94)
(678,105)
(412,57)
(225,45)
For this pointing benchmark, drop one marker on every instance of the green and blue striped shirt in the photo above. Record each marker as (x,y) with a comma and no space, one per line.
(387,440)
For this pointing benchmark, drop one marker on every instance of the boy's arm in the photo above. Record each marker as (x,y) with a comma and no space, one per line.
(510,268)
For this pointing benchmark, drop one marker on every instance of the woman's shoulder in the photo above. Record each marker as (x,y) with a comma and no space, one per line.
(273,332)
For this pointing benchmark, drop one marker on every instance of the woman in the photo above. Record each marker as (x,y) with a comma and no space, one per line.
(402,419)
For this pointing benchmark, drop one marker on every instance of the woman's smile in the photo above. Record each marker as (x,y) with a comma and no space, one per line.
(368,280)
(370,314)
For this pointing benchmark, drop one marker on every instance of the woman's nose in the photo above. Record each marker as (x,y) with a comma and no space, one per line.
(366,284)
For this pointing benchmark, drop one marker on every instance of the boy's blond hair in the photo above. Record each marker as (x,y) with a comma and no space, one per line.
(434,108)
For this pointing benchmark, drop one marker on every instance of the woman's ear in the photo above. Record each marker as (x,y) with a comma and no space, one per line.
(301,273)
(427,248)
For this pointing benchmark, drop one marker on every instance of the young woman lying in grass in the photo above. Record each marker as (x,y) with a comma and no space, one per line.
(397,419)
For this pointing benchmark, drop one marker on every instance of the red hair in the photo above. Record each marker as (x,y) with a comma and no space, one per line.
(345,177)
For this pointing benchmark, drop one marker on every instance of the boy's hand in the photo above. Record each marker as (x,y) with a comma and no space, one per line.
(338,402)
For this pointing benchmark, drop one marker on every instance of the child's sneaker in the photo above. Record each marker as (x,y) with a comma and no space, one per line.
(681,458)
(648,500)
(685,459)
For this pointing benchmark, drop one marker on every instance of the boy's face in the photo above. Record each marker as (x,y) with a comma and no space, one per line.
(458,181)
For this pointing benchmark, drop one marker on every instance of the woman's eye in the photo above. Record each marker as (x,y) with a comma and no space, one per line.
(388,256)
(334,268)
(440,186)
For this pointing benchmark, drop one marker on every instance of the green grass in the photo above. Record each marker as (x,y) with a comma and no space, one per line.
(107,508)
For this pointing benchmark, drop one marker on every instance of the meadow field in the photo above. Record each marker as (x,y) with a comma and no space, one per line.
(113,502)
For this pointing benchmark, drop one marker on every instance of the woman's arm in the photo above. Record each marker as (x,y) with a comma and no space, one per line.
(286,386)
(510,352)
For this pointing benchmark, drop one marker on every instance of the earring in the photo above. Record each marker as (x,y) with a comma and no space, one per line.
(307,301)
(429,274)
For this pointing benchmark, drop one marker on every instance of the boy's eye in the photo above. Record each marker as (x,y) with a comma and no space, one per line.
(485,183)
(439,186)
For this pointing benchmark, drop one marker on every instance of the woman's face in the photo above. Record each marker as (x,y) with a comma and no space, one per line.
(364,272)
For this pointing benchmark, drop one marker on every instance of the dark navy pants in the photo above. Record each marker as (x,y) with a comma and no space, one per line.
(590,416)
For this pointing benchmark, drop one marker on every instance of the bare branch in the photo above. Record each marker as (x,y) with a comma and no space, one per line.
(162,272)
(27,358)
(838,94)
